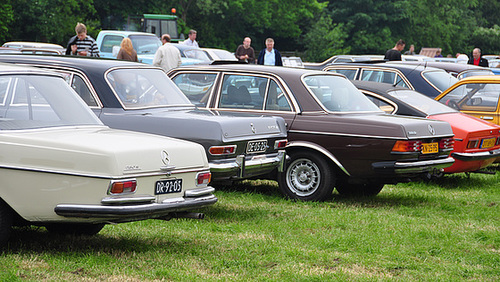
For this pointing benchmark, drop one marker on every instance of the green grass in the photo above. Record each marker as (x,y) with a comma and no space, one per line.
(444,230)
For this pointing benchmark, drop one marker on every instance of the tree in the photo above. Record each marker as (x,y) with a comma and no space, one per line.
(324,40)
(6,17)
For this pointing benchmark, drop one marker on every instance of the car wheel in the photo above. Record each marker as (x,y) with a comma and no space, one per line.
(307,177)
(367,189)
(5,222)
(74,228)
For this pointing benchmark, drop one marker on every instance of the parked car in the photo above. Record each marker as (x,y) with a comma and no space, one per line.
(139,97)
(192,55)
(35,45)
(4,50)
(476,96)
(457,70)
(477,142)
(219,54)
(426,80)
(338,138)
(145,44)
(343,59)
(63,169)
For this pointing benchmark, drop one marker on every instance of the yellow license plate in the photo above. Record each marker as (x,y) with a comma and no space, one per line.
(488,143)
(429,148)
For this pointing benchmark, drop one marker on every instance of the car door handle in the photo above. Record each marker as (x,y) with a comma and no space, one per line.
(487,118)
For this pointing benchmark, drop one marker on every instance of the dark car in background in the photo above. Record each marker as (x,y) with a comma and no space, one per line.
(426,80)
(343,59)
(477,142)
(337,137)
(458,70)
(139,97)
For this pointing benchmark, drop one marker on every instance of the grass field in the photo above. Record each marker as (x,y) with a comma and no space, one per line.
(444,230)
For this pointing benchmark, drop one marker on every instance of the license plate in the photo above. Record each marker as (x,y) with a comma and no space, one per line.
(488,143)
(168,186)
(256,146)
(429,148)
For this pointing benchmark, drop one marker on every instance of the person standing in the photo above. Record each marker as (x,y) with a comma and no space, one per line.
(167,56)
(127,51)
(245,52)
(81,44)
(270,56)
(411,51)
(191,41)
(477,59)
(394,54)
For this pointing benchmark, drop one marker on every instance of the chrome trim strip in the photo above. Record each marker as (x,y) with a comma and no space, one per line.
(120,200)
(145,174)
(365,136)
(248,164)
(476,156)
(199,192)
(320,149)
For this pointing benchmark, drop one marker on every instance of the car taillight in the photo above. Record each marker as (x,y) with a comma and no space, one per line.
(123,186)
(222,150)
(446,143)
(407,146)
(203,178)
(280,144)
(472,144)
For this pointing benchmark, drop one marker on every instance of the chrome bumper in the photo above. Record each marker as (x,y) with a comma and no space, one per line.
(402,168)
(476,156)
(245,166)
(131,208)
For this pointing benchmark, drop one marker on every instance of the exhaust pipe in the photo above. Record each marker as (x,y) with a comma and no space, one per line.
(192,215)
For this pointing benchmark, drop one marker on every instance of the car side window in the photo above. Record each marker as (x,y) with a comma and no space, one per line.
(109,41)
(78,84)
(196,86)
(400,82)
(378,76)
(381,104)
(252,92)
(349,73)
(473,97)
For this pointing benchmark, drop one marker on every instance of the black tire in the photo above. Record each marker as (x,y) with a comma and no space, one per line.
(5,222)
(75,228)
(307,177)
(367,189)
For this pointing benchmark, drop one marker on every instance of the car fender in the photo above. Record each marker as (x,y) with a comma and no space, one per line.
(319,149)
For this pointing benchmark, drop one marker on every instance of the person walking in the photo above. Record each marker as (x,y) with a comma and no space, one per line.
(245,52)
(270,56)
(167,56)
(394,54)
(81,44)
(127,51)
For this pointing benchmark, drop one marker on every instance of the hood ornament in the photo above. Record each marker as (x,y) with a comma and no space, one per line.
(431,129)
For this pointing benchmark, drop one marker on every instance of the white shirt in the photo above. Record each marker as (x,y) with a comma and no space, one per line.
(269,58)
(167,57)
(190,42)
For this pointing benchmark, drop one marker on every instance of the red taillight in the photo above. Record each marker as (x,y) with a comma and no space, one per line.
(407,146)
(280,144)
(472,144)
(119,187)
(203,178)
(222,150)
(446,143)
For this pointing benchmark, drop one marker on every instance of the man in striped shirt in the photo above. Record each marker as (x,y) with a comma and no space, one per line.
(81,44)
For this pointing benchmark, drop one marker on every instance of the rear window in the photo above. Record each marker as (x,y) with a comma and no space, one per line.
(440,79)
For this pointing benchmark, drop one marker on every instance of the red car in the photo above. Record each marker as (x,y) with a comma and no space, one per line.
(477,142)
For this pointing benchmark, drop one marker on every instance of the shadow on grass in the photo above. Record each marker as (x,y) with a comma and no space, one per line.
(32,239)
(462,181)
(263,187)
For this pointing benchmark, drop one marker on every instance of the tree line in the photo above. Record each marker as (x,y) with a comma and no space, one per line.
(313,29)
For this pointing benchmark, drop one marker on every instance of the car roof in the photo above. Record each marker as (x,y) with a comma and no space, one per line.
(377,86)
(280,71)
(6,68)
(23,44)
(456,67)
(80,63)
(127,33)
(481,78)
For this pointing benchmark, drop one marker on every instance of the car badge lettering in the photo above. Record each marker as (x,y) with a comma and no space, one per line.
(132,167)
(165,158)
(431,129)
(412,133)
(253,128)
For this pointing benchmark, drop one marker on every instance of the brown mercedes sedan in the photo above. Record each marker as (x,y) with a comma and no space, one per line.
(337,137)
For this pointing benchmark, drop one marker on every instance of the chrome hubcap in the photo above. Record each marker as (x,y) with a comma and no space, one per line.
(303,177)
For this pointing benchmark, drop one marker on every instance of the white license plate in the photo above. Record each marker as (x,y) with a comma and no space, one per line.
(256,146)
(168,186)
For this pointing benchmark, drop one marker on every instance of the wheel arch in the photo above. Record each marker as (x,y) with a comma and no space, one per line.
(298,145)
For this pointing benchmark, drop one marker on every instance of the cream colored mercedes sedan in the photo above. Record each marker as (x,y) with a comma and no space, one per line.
(61,168)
